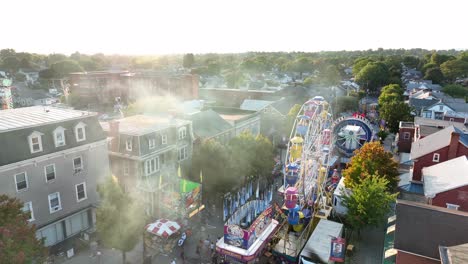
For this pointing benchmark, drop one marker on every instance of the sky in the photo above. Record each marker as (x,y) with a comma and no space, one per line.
(139,27)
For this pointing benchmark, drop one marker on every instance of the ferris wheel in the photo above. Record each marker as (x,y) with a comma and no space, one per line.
(352,133)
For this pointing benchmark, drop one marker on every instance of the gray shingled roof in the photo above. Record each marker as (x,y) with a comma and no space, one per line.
(421,229)
(208,123)
(139,125)
(419,104)
(255,105)
(12,119)
(432,142)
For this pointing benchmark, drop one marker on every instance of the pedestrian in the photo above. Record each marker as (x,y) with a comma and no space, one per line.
(212,247)
(198,250)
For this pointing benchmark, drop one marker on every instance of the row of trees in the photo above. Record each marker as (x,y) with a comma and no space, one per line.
(226,166)
(443,68)
(372,177)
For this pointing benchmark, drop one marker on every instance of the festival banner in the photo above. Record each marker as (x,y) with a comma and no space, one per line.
(338,250)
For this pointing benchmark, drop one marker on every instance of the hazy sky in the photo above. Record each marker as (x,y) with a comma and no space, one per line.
(201,26)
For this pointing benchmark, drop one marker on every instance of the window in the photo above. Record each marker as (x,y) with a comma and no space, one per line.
(126,170)
(406,135)
(182,132)
(152,143)
(128,144)
(427,114)
(81,192)
(452,206)
(35,142)
(54,202)
(451,119)
(28,209)
(441,107)
(49,172)
(182,153)
(151,165)
(436,157)
(59,137)
(164,139)
(21,181)
(80,132)
(77,164)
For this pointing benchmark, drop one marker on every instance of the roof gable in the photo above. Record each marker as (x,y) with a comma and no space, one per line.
(254,105)
(208,123)
(445,176)
(431,143)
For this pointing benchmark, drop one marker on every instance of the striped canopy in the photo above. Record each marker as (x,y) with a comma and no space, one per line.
(163,228)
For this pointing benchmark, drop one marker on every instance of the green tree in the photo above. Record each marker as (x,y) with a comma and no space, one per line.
(301,65)
(63,68)
(454,68)
(11,63)
(242,155)
(53,58)
(120,220)
(344,104)
(212,158)
(456,90)
(359,64)
(373,75)
(188,60)
(390,93)
(435,75)
(394,112)
(18,242)
(369,202)
(439,59)
(234,78)
(331,76)
(264,154)
(290,119)
(411,61)
(7,53)
(371,160)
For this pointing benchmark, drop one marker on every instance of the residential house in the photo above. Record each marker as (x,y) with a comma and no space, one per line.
(446,184)
(234,97)
(255,105)
(240,120)
(441,146)
(52,159)
(421,229)
(32,76)
(145,153)
(208,124)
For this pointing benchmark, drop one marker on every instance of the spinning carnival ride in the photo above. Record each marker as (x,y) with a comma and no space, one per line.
(305,189)
(351,133)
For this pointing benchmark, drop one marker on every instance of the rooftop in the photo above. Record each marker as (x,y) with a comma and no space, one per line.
(433,142)
(19,118)
(438,123)
(254,105)
(445,176)
(138,125)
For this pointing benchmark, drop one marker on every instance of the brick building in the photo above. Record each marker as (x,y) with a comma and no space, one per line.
(103,87)
(441,146)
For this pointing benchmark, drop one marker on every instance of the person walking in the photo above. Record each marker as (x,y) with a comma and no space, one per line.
(212,247)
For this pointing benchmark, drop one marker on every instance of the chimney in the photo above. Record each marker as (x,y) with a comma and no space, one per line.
(114,133)
(453,147)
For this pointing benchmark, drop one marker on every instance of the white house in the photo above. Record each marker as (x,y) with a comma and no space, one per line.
(338,195)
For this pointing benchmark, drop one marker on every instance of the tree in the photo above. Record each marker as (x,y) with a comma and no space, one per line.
(18,241)
(373,75)
(344,104)
(371,160)
(435,75)
(394,112)
(369,202)
(264,155)
(213,159)
(359,64)
(11,63)
(242,155)
(454,68)
(188,60)
(456,90)
(290,118)
(63,68)
(120,220)
(439,59)
(331,75)
(301,65)
(390,93)
(234,78)
(7,53)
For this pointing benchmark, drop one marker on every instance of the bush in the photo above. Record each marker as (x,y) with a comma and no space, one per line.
(382,134)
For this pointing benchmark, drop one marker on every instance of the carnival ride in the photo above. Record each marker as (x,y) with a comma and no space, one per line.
(306,189)
(351,133)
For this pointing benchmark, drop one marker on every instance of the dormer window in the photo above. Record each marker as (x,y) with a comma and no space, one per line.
(128,144)
(182,132)
(164,139)
(436,157)
(80,132)
(151,143)
(35,142)
(59,137)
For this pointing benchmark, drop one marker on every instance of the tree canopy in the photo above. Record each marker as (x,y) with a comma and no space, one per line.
(120,220)
(344,104)
(394,112)
(369,202)
(188,60)
(456,90)
(373,75)
(371,160)
(18,242)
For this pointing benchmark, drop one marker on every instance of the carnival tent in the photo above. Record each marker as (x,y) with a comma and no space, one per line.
(163,228)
